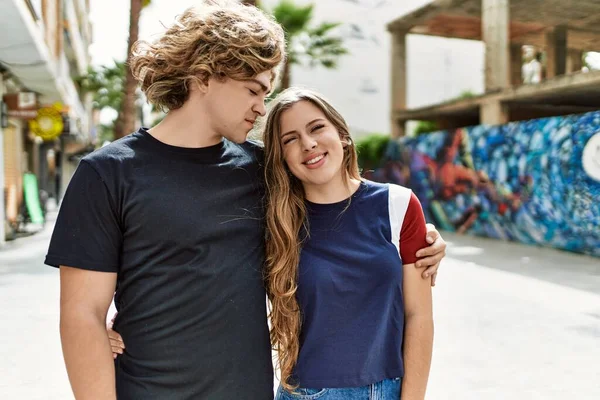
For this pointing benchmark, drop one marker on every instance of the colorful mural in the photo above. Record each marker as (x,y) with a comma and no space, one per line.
(537,181)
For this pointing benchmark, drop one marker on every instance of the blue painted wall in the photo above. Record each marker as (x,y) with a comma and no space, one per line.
(537,182)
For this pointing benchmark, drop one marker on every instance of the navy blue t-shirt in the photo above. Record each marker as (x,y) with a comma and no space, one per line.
(350,286)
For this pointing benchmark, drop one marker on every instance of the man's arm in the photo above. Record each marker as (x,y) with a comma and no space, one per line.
(85,297)
(432,255)
(418,333)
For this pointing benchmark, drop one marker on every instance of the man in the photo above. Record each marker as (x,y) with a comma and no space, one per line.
(172,219)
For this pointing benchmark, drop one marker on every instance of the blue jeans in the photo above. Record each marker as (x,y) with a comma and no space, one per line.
(388,389)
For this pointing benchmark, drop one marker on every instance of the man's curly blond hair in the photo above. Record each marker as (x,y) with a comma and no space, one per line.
(217,39)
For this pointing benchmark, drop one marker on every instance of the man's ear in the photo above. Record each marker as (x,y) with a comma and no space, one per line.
(202,84)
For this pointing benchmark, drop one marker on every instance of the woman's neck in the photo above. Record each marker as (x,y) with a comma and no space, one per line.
(331,192)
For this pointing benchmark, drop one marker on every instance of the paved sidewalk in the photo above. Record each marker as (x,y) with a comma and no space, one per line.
(31,363)
(513,322)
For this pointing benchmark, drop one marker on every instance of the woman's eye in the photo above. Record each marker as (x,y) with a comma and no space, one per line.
(286,141)
(253,92)
(317,127)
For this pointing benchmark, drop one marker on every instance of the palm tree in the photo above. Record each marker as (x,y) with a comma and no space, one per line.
(316,46)
(125,122)
(107,84)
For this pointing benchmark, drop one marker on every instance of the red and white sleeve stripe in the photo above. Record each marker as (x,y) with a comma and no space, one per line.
(407,223)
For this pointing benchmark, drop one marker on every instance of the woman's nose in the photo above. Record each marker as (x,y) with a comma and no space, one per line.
(309,143)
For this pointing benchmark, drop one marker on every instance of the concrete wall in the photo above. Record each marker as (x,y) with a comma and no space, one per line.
(537,181)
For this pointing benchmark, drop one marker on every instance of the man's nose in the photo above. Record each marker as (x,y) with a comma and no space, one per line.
(260,108)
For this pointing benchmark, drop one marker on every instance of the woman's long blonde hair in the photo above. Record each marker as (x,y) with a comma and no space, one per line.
(286,222)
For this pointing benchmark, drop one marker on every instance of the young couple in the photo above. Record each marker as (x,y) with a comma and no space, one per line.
(187,223)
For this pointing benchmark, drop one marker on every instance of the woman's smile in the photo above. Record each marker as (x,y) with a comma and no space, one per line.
(315,161)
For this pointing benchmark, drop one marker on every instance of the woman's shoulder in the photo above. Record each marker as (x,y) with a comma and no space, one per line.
(390,189)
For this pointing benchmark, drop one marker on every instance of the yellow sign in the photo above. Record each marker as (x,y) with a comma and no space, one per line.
(49,123)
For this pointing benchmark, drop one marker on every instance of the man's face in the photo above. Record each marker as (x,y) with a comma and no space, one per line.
(234,105)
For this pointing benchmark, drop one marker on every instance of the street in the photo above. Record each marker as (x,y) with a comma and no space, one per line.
(511,322)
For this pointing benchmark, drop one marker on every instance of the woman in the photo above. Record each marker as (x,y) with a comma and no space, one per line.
(351,316)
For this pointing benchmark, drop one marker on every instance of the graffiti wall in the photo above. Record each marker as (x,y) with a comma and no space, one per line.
(537,182)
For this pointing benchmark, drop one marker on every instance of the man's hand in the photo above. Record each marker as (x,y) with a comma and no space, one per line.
(432,255)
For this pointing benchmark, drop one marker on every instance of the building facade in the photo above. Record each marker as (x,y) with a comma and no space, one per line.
(548,39)
(45,116)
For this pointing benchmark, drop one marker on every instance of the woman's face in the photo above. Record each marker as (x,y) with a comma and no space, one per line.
(312,147)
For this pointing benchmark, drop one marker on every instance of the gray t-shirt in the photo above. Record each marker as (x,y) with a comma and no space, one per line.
(184,231)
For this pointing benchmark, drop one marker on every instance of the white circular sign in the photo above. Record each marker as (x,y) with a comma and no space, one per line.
(591,157)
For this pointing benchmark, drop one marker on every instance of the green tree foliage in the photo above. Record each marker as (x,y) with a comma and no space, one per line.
(106,83)
(371,149)
(425,127)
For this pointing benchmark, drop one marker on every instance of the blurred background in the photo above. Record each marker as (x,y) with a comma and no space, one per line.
(489,110)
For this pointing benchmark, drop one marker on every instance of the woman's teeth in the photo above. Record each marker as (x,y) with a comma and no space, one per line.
(315,160)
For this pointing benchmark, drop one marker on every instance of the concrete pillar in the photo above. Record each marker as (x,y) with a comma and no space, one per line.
(398,80)
(495,21)
(574,61)
(556,51)
(516,64)
(493,113)
(398,128)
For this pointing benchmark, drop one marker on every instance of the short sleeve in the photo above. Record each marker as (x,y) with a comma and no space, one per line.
(87,233)
(413,232)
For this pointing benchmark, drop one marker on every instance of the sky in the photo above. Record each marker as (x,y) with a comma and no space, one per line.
(110,24)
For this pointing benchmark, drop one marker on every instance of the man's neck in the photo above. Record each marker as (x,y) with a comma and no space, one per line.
(180,128)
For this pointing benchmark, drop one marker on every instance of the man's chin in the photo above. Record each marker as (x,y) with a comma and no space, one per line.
(239,139)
